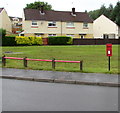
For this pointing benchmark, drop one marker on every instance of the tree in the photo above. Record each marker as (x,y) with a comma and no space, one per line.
(36,5)
(111,12)
(102,11)
(115,16)
(94,14)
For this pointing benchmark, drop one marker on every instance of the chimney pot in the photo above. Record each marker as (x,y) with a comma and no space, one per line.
(42,9)
(73,10)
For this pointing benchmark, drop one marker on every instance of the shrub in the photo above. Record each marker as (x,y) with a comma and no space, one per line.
(2,32)
(21,40)
(8,41)
(60,40)
(38,40)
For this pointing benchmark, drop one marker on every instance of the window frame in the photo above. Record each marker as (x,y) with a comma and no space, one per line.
(53,24)
(38,35)
(15,19)
(35,22)
(85,25)
(68,24)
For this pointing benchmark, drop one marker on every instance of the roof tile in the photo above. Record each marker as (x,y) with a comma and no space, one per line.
(34,14)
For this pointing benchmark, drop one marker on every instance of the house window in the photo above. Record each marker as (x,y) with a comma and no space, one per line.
(105,36)
(38,35)
(49,35)
(51,24)
(18,24)
(70,24)
(85,25)
(34,23)
(15,19)
(18,31)
(70,35)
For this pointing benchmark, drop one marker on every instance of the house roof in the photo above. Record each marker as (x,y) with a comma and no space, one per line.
(34,14)
(104,17)
(1,9)
(11,18)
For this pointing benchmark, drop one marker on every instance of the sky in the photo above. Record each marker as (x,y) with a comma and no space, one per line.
(15,7)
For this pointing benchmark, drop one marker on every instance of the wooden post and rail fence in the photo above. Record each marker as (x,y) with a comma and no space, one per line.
(53,61)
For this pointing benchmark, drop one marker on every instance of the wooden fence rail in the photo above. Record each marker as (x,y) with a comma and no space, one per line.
(25,61)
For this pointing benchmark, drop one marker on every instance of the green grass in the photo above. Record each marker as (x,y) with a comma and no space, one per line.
(93,56)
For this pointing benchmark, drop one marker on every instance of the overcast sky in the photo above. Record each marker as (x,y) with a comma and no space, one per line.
(15,7)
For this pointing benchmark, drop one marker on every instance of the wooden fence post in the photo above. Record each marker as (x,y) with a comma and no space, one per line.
(81,65)
(25,62)
(3,61)
(53,63)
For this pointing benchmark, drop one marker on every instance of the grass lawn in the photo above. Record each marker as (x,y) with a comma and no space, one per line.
(93,56)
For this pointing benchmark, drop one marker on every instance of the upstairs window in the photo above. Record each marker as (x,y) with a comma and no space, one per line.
(15,19)
(18,24)
(34,23)
(51,24)
(70,24)
(85,25)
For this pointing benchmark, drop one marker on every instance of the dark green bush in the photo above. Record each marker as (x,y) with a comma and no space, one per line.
(2,32)
(8,41)
(60,40)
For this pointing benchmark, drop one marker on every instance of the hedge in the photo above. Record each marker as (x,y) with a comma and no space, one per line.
(8,41)
(21,40)
(2,32)
(60,40)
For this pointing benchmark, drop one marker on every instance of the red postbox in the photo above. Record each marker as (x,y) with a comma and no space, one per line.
(109,49)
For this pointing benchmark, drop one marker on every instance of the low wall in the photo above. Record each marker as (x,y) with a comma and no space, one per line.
(95,41)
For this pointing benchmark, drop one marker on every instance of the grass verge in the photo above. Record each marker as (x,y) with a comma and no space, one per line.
(93,56)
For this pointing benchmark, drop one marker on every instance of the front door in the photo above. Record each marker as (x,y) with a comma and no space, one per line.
(82,36)
(105,36)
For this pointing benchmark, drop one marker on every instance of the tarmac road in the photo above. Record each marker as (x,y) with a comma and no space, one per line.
(20,95)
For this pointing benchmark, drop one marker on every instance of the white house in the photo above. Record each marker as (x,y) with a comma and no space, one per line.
(45,23)
(105,28)
(5,21)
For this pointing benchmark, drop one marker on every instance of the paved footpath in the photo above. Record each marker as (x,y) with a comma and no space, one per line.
(62,77)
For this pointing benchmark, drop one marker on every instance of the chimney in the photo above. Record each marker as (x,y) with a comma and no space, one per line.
(73,12)
(42,9)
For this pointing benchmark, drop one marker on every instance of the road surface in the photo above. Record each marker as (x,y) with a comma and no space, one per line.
(38,96)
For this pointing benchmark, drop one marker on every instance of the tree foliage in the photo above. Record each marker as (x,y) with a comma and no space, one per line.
(111,12)
(115,16)
(36,5)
